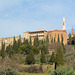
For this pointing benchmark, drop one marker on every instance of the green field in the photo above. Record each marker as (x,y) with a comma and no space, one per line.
(35,73)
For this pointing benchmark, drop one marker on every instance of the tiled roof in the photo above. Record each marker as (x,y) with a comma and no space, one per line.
(57,30)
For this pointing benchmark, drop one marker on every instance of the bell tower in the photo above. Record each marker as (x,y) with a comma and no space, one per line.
(64,24)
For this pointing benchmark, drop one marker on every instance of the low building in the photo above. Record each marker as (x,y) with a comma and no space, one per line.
(8,40)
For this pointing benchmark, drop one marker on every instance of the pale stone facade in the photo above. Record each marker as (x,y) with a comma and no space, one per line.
(8,40)
(41,35)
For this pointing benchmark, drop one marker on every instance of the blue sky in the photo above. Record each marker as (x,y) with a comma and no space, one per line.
(18,16)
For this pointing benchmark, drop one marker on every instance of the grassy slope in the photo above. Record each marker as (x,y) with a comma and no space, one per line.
(35,73)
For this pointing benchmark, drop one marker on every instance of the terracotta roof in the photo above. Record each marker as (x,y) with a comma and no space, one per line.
(37,31)
(57,30)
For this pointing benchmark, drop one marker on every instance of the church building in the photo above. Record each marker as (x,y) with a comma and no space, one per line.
(53,34)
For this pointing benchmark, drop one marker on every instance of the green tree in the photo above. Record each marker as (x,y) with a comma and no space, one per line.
(24,41)
(73,39)
(43,58)
(58,39)
(52,58)
(62,39)
(26,49)
(47,39)
(45,49)
(19,42)
(70,39)
(2,52)
(9,50)
(36,41)
(15,46)
(27,43)
(30,40)
(59,56)
(30,59)
(35,50)
(22,49)
(52,40)
(64,49)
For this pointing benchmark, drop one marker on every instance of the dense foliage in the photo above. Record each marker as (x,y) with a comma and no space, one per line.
(30,59)
(63,70)
(8,71)
(43,58)
(59,56)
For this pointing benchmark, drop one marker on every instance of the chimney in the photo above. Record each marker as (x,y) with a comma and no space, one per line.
(72,31)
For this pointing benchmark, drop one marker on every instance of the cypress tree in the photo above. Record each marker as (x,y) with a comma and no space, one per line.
(19,42)
(36,41)
(27,43)
(70,39)
(44,49)
(2,50)
(47,39)
(30,40)
(52,40)
(42,42)
(9,51)
(43,58)
(58,39)
(24,42)
(52,58)
(59,56)
(15,46)
(62,39)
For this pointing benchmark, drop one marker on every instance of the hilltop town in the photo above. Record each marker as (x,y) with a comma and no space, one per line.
(52,35)
(45,52)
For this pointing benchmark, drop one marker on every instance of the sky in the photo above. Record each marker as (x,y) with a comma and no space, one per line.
(18,16)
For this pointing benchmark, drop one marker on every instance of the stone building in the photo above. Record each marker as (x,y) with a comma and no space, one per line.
(72,32)
(51,34)
(54,34)
(9,40)
(41,35)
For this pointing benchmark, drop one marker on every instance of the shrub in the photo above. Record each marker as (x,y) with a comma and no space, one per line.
(53,72)
(8,71)
(30,59)
(2,72)
(74,67)
(33,69)
(63,70)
